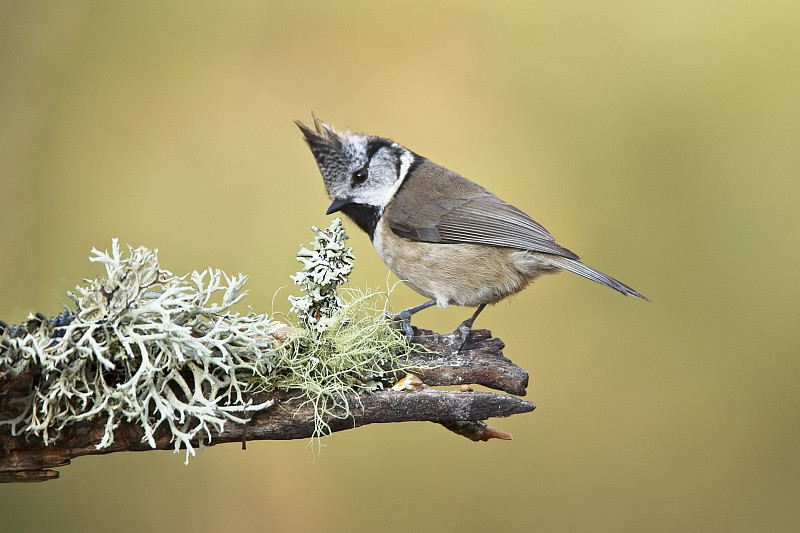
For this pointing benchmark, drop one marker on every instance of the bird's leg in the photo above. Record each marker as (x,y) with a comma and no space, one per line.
(404,317)
(466,325)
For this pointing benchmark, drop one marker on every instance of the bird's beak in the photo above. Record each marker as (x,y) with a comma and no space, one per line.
(337,205)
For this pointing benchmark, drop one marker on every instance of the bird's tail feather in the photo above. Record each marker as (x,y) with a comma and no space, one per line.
(576,267)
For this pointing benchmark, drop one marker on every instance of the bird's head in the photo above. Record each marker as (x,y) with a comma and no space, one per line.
(357,169)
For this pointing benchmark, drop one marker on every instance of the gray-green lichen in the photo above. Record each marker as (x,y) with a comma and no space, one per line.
(143,346)
(358,352)
(347,346)
(325,267)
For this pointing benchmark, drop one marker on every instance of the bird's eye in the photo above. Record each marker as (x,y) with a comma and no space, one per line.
(360,176)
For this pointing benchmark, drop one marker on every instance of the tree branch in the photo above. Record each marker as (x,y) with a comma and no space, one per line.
(479,362)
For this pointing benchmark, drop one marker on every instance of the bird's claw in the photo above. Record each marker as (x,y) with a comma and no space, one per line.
(464,328)
(404,317)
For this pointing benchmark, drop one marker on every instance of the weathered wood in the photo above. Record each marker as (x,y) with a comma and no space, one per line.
(479,362)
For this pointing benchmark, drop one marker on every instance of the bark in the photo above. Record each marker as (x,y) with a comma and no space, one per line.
(479,362)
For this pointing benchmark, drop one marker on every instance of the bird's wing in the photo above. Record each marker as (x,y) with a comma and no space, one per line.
(447,208)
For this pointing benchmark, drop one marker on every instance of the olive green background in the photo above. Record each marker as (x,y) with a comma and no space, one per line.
(659,140)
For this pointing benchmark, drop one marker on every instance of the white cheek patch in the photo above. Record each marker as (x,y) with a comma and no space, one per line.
(378,198)
(381,196)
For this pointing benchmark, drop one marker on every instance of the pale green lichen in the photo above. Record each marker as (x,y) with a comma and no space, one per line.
(347,346)
(325,267)
(359,351)
(143,346)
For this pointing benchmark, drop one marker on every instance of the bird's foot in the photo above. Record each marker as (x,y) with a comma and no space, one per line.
(463,330)
(466,326)
(404,319)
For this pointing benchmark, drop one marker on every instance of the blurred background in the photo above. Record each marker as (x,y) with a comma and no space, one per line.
(659,140)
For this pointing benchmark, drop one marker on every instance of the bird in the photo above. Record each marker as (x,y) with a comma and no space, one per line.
(446,237)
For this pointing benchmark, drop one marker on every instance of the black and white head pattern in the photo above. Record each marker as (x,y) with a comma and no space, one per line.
(356,168)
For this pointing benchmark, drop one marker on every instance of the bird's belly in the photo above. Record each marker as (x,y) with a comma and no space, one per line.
(460,274)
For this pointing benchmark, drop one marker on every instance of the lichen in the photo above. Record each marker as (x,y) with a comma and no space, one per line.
(325,267)
(146,346)
(347,345)
(358,352)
